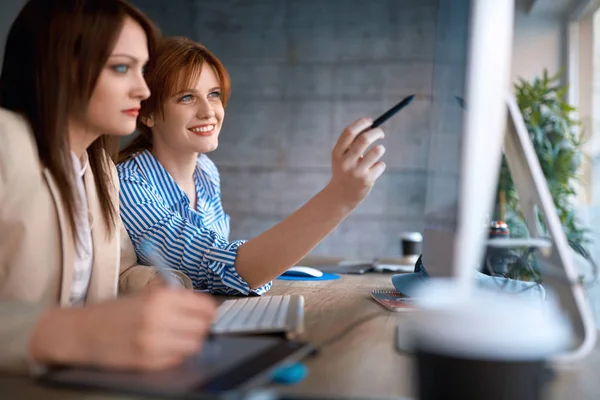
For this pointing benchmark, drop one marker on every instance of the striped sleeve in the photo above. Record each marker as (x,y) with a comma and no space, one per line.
(202,254)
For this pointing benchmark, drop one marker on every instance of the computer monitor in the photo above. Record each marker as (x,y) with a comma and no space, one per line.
(473,61)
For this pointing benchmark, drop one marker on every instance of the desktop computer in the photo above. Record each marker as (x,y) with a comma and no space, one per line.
(468,138)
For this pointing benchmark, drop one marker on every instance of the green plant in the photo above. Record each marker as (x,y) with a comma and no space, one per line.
(556,140)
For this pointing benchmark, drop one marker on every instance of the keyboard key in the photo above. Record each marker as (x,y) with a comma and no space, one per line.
(260,315)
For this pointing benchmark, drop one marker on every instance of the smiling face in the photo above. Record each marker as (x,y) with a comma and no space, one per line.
(191,120)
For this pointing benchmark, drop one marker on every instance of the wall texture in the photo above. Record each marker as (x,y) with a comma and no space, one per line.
(8,11)
(303,69)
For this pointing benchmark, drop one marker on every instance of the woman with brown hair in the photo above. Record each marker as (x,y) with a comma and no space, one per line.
(71,84)
(170,189)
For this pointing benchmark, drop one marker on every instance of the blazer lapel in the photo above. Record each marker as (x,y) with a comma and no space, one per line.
(66,239)
(104,279)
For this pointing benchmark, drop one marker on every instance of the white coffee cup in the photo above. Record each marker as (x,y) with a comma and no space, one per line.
(484,344)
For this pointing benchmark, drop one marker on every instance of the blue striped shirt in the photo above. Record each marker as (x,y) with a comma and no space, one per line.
(195,242)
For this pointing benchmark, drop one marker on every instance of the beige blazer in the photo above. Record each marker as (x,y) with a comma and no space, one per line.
(36,245)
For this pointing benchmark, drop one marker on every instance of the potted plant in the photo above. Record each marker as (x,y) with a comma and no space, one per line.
(556,140)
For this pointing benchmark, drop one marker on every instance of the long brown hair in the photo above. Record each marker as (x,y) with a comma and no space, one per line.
(55,52)
(176,68)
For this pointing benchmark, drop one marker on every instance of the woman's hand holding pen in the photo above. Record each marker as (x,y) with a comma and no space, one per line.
(155,329)
(355,166)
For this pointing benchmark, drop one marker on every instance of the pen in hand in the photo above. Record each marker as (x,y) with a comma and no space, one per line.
(391,112)
(148,249)
(211,348)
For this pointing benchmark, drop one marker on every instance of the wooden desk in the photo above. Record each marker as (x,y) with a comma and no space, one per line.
(363,364)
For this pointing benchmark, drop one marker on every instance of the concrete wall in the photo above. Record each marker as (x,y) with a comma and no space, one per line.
(8,11)
(301,71)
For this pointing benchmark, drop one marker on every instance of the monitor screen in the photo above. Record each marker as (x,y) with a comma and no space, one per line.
(446,117)
(467,125)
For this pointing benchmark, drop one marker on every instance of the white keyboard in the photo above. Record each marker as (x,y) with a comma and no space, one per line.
(260,315)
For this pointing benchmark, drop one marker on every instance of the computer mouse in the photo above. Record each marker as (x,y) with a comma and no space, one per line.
(302,271)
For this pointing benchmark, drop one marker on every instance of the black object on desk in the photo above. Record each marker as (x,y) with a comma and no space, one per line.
(360,268)
(352,269)
(225,364)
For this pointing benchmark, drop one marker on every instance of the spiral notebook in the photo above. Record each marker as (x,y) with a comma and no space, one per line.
(393,300)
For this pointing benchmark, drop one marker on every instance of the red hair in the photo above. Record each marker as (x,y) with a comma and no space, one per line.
(175,69)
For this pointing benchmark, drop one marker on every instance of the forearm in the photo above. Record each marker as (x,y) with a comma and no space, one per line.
(270,254)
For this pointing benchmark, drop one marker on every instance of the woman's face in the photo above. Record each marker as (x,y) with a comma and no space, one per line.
(121,87)
(191,120)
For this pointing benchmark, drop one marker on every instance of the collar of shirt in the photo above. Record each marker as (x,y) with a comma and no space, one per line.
(77,163)
(158,176)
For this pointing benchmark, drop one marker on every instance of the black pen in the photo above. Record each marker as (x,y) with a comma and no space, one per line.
(163,270)
(391,112)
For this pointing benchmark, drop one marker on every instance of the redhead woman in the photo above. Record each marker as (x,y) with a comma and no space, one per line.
(170,189)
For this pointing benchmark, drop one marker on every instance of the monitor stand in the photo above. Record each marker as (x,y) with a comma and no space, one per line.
(556,261)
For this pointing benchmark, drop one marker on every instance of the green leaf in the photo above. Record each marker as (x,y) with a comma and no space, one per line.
(554,134)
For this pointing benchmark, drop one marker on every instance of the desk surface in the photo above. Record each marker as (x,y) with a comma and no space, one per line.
(363,363)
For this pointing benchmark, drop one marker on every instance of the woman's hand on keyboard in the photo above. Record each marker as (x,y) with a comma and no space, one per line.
(355,166)
(153,330)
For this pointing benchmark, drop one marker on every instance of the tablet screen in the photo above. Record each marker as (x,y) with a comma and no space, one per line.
(224,363)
